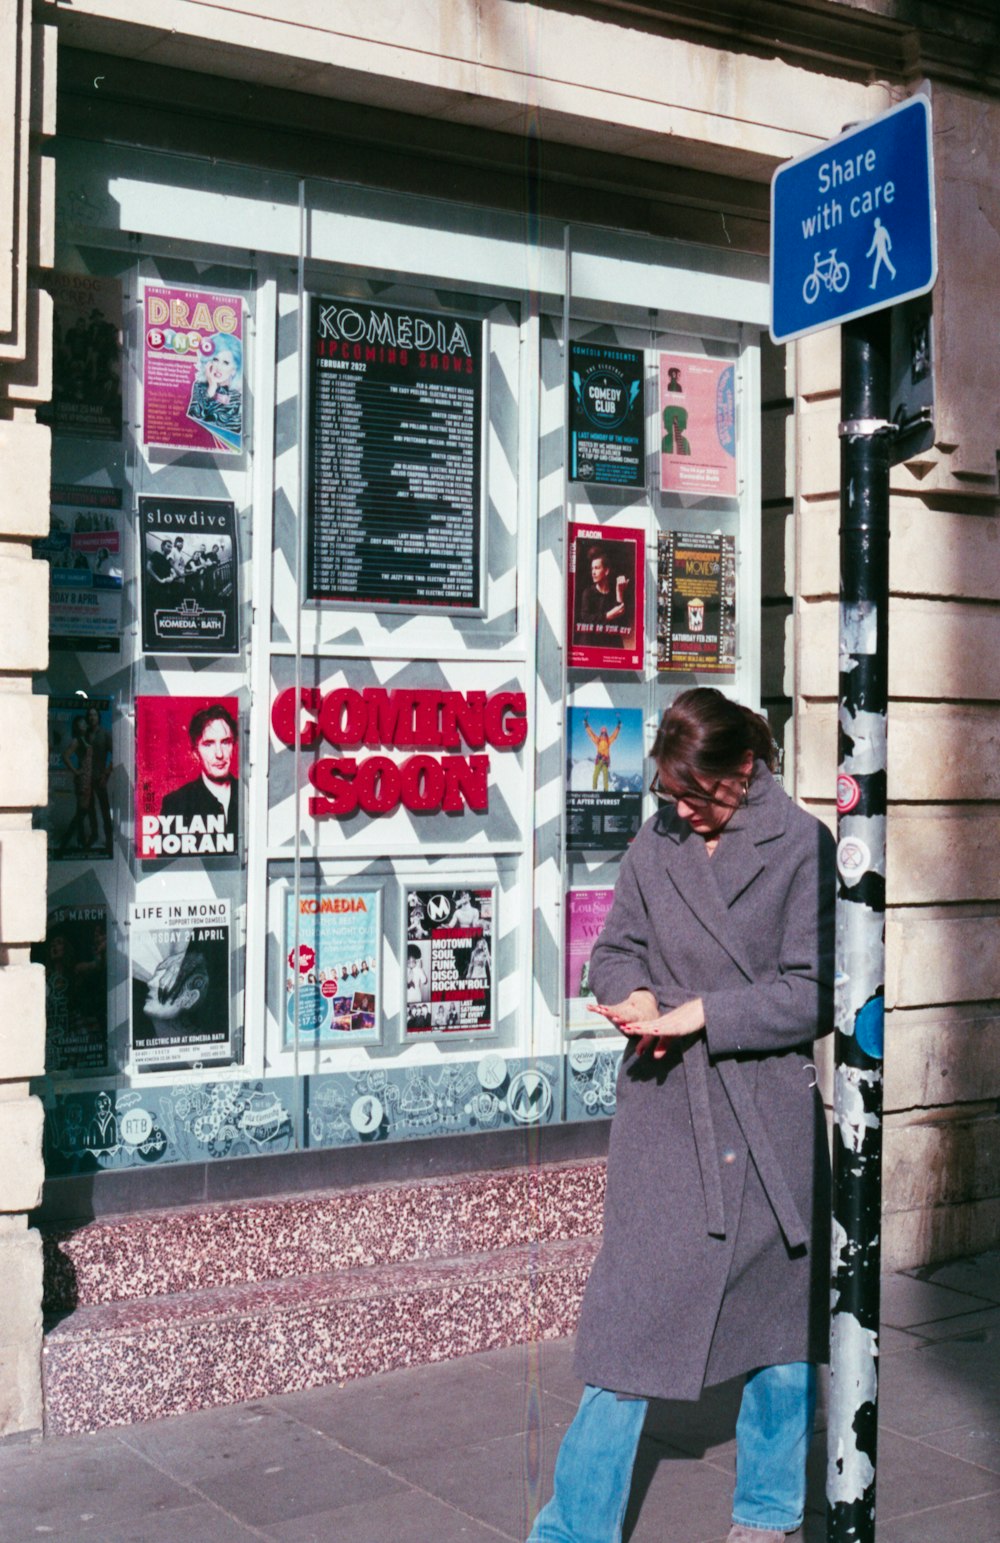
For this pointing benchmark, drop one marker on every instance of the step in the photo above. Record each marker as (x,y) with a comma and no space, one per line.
(121,1362)
(194,1248)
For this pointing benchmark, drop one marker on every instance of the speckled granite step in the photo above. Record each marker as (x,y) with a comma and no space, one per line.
(120,1362)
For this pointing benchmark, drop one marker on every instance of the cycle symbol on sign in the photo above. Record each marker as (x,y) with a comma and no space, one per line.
(833,275)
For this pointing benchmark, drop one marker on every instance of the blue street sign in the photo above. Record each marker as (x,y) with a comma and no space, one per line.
(852,224)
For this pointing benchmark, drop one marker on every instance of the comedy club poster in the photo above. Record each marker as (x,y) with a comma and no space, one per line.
(189,576)
(698,425)
(75,956)
(449,960)
(187,777)
(696,601)
(606,415)
(179,953)
(586,910)
(192,378)
(603,777)
(84,552)
(333,986)
(77,817)
(607,566)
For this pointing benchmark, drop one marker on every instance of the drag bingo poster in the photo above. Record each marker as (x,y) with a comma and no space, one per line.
(696,601)
(189,576)
(187,787)
(606,415)
(86,356)
(586,910)
(603,777)
(698,425)
(84,553)
(75,956)
(192,378)
(607,567)
(179,953)
(333,967)
(449,960)
(77,817)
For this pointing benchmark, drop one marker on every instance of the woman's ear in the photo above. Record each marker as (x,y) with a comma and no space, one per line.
(746,765)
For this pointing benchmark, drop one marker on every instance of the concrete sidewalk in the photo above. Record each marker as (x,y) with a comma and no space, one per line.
(462,1451)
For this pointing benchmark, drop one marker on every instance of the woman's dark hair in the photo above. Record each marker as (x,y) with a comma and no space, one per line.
(704,736)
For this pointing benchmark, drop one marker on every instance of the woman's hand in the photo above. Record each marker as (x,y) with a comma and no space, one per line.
(637,1007)
(652,1031)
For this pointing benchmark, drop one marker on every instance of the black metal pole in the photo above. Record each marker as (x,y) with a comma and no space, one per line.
(861,819)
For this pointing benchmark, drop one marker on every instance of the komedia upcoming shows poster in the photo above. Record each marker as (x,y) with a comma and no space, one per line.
(333,984)
(698,425)
(603,777)
(696,602)
(606,415)
(187,789)
(605,597)
(586,910)
(179,953)
(189,576)
(75,956)
(192,376)
(449,960)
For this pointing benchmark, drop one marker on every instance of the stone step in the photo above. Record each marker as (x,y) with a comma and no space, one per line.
(121,1362)
(196,1248)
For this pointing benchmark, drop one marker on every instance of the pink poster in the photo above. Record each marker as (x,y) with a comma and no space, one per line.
(586,910)
(187,791)
(192,382)
(697,425)
(607,567)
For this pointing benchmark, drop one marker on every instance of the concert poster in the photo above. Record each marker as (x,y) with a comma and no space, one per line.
(189,576)
(84,551)
(75,956)
(86,356)
(187,787)
(180,997)
(77,818)
(607,440)
(449,960)
(586,910)
(333,969)
(696,601)
(395,512)
(193,394)
(698,425)
(605,594)
(604,784)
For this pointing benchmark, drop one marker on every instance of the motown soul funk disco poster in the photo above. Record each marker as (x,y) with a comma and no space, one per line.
(606,415)
(192,381)
(698,425)
(181,1011)
(187,786)
(333,988)
(188,576)
(449,960)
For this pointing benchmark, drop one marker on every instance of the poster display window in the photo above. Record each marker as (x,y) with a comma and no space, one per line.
(605,591)
(604,783)
(696,601)
(75,958)
(192,382)
(189,576)
(607,419)
(77,817)
(86,356)
(179,969)
(85,553)
(187,777)
(586,912)
(449,960)
(333,967)
(698,425)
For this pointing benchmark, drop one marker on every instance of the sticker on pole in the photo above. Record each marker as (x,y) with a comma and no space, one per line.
(848,793)
(853,859)
(852,224)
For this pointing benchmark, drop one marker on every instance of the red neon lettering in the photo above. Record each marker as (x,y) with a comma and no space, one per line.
(463,714)
(343,717)
(334,777)
(466,777)
(423,783)
(512,734)
(284,715)
(378,784)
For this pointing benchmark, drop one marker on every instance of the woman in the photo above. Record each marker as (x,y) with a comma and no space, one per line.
(77,757)
(716,962)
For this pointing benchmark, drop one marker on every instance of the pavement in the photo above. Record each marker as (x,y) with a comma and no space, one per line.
(462,1451)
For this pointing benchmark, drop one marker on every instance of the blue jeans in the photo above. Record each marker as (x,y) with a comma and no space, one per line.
(594,1467)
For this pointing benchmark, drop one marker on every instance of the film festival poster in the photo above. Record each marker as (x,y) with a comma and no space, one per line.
(77,818)
(607,422)
(193,370)
(187,786)
(180,992)
(75,957)
(189,576)
(696,601)
(698,425)
(607,566)
(395,512)
(333,967)
(84,552)
(586,910)
(449,960)
(604,784)
(86,356)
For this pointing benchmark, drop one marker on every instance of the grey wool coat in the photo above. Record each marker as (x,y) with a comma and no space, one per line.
(715,1254)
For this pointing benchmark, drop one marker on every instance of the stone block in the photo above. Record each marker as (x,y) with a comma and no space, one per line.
(22,1022)
(21,1283)
(939,1162)
(21,1385)
(939,854)
(817,527)
(817,365)
(934,1233)
(25,454)
(31,380)
(22,886)
(24,611)
(937,649)
(938,959)
(938,752)
(24,777)
(818,450)
(941,1056)
(21,1169)
(939,553)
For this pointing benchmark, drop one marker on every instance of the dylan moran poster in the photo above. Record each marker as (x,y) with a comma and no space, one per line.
(449,960)
(603,777)
(192,377)
(78,813)
(607,567)
(84,553)
(75,956)
(698,425)
(332,967)
(586,910)
(696,601)
(187,787)
(189,576)
(179,954)
(606,415)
